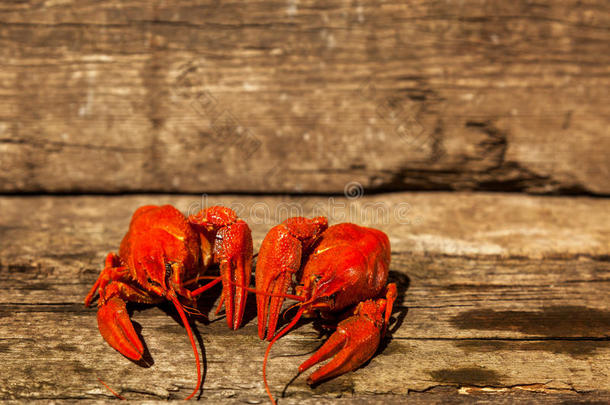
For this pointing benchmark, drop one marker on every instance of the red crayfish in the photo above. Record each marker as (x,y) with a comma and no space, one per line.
(337,268)
(342,269)
(162,254)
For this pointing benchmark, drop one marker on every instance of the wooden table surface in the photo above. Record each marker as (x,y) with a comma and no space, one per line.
(501,298)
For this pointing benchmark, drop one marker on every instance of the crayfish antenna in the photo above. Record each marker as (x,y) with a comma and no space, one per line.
(174,299)
(268,294)
(281,333)
(111,390)
(207,286)
(298,304)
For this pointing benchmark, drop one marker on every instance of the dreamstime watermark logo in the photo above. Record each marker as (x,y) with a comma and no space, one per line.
(353,190)
(352,207)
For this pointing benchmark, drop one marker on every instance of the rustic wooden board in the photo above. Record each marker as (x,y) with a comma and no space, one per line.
(49,231)
(471,325)
(272,96)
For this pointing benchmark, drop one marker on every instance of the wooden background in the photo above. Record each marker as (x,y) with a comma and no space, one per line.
(218,96)
(434,121)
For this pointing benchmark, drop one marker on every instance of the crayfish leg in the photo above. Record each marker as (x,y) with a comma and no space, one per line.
(112,270)
(390,297)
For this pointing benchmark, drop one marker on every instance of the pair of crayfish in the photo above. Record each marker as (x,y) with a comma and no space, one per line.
(164,256)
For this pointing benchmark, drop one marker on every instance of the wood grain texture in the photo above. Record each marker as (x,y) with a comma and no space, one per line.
(475,324)
(219,96)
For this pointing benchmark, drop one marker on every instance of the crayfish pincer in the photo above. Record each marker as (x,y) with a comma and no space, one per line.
(164,255)
(339,268)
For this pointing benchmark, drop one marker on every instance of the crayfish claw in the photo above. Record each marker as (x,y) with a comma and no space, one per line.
(235,256)
(353,343)
(232,251)
(279,259)
(116,328)
(269,306)
(355,340)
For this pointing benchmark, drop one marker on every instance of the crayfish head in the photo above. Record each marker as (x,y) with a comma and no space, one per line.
(319,292)
(165,279)
(148,258)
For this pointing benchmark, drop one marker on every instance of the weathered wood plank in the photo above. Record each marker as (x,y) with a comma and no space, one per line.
(72,346)
(55,231)
(441,396)
(263,96)
(469,325)
(509,300)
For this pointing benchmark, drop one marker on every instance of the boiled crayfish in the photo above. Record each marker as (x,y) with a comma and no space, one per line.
(160,257)
(338,268)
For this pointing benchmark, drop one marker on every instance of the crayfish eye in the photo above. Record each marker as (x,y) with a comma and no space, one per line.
(152,282)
